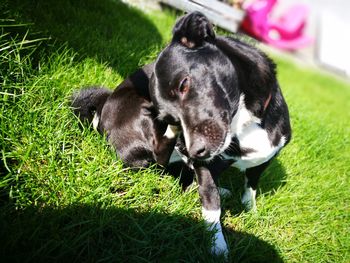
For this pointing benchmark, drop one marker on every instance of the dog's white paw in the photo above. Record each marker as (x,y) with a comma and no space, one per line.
(224,193)
(248,199)
(212,219)
(95,121)
(219,246)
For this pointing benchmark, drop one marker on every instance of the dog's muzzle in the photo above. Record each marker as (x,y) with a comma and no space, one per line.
(202,150)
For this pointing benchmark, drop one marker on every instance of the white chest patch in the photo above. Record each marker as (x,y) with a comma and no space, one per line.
(243,118)
(246,127)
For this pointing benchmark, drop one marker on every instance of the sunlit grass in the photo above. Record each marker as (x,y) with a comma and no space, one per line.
(66,197)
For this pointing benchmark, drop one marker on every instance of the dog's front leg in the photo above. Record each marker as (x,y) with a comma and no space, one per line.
(166,144)
(252,176)
(211,209)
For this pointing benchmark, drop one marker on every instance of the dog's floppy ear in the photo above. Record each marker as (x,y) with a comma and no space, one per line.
(193,29)
(257,72)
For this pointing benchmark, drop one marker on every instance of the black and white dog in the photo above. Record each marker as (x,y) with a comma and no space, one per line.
(128,119)
(225,96)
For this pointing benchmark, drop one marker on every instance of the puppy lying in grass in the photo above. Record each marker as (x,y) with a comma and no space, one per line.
(129,120)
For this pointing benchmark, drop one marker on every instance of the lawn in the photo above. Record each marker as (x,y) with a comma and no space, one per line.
(65,197)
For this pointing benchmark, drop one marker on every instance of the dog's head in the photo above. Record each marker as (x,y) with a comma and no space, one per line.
(194,85)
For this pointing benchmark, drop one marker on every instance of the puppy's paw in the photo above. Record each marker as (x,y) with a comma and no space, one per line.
(193,29)
(95,121)
(172,131)
(248,199)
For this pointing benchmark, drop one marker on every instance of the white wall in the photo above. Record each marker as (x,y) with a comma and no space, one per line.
(329,24)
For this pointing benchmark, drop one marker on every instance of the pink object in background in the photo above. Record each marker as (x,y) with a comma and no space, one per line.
(284,32)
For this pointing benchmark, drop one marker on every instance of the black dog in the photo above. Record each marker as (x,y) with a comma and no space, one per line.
(225,96)
(129,120)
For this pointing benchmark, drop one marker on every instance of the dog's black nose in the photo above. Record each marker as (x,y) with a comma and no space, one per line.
(199,150)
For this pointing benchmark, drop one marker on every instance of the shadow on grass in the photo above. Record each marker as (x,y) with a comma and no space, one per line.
(272,179)
(90,234)
(107,30)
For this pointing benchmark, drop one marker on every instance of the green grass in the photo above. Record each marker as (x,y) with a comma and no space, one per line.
(64,195)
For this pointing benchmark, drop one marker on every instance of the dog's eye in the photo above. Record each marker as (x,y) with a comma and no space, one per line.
(185,85)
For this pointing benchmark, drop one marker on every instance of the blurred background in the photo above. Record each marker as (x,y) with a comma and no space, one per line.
(313,32)
(328,23)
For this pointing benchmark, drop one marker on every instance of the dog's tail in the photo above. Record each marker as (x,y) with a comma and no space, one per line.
(88,102)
